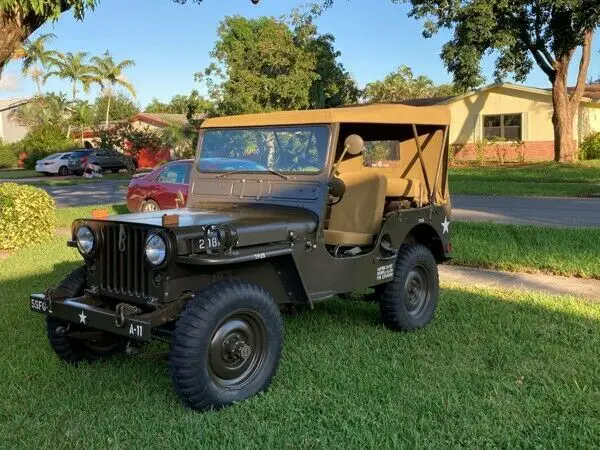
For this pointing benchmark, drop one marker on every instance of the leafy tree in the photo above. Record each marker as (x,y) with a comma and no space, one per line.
(109,74)
(333,86)
(74,68)
(20,18)
(51,110)
(37,57)
(267,64)
(182,140)
(521,33)
(258,67)
(402,85)
(121,108)
(180,104)
(42,140)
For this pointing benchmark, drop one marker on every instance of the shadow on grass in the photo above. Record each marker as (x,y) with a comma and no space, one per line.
(493,369)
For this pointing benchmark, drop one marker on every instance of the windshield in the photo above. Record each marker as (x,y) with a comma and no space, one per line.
(283,149)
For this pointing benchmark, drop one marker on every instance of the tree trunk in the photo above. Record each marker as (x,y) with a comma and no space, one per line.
(562,117)
(74,91)
(107,108)
(38,82)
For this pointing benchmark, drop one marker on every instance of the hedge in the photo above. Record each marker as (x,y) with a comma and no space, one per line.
(590,147)
(27,216)
(8,158)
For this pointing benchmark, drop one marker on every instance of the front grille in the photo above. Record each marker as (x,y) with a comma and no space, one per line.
(123,272)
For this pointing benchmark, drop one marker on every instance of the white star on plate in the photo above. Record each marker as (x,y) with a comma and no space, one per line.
(82,318)
(445,225)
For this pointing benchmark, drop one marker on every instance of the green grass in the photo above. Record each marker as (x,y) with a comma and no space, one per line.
(66,216)
(495,369)
(18,173)
(523,248)
(580,179)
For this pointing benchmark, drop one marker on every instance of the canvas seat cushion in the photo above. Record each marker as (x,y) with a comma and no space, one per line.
(357,218)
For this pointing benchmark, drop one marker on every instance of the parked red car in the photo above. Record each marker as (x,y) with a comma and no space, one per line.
(160,188)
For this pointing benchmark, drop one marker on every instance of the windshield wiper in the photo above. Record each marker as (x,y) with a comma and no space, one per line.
(233,172)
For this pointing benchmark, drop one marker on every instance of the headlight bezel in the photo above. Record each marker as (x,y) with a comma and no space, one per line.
(167,245)
(95,243)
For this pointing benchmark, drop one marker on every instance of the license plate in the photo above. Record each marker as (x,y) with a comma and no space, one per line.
(209,243)
(40,305)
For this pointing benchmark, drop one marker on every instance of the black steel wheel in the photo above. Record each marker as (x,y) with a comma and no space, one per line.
(226,346)
(76,350)
(409,301)
(63,171)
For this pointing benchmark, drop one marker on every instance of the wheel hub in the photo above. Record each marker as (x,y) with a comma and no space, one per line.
(237,349)
(416,291)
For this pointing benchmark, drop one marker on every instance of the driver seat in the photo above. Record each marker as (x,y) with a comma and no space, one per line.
(357,218)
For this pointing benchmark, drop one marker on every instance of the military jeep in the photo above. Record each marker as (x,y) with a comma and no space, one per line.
(328,202)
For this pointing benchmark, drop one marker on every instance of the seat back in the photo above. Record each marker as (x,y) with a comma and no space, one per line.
(358,216)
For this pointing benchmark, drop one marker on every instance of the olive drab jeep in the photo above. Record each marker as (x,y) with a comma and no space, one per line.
(357,193)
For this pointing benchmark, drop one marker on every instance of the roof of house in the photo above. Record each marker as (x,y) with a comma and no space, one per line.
(591,94)
(384,113)
(9,103)
(164,119)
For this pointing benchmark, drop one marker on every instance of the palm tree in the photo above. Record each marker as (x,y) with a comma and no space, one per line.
(109,74)
(72,67)
(35,54)
(82,116)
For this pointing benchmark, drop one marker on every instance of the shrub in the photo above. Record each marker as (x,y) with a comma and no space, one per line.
(8,158)
(27,216)
(590,147)
(41,141)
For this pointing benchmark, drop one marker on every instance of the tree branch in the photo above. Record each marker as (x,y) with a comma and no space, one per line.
(584,64)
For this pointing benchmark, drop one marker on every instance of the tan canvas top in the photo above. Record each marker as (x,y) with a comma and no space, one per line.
(375,113)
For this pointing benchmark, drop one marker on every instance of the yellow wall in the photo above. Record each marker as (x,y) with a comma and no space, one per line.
(467,121)
(589,119)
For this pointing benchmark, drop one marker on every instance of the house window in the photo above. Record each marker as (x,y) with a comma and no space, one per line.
(503,126)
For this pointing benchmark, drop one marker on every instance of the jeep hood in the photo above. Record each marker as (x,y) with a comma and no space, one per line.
(255,224)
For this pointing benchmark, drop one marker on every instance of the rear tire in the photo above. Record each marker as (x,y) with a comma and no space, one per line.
(226,345)
(63,171)
(149,206)
(74,350)
(409,301)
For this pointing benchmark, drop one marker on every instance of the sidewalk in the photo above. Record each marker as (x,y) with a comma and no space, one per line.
(548,284)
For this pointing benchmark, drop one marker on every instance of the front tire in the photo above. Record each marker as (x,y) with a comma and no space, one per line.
(70,349)
(226,345)
(409,301)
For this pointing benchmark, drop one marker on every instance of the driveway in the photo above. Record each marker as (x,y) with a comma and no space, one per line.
(547,211)
(96,193)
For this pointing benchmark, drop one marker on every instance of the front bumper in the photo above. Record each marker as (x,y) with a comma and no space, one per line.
(79,311)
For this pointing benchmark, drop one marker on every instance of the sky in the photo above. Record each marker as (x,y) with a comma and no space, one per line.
(170,42)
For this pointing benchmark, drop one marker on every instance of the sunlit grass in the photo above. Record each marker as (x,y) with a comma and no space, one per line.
(494,369)
(581,179)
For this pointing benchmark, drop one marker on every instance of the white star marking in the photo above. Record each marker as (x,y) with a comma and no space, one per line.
(82,318)
(445,225)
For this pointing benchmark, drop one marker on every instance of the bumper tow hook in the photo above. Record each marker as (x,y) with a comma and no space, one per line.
(122,311)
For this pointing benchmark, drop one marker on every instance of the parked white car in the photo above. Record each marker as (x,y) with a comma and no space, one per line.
(57,163)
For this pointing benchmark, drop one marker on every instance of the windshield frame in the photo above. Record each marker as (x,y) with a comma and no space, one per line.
(326,159)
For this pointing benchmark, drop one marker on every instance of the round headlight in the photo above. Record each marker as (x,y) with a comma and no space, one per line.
(85,239)
(156,249)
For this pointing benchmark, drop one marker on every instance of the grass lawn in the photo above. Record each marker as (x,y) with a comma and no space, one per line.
(524,248)
(580,179)
(66,216)
(495,369)
(18,173)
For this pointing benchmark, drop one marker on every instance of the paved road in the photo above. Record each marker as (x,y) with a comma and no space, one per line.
(548,211)
(520,210)
(96,193)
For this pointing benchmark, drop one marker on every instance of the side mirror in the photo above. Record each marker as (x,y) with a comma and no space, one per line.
(354,144)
